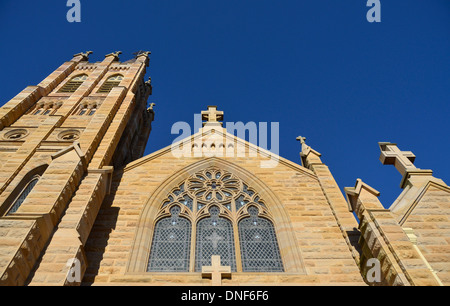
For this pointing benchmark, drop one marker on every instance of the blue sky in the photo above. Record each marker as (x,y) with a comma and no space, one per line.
(317,67)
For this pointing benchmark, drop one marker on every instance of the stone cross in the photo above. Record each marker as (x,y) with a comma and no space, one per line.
(301,139)
(216,272)
(303,144)
(212,114)
(391,155)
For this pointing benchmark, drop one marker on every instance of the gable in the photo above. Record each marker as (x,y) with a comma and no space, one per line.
(429,220)
(430,202)
(219,144)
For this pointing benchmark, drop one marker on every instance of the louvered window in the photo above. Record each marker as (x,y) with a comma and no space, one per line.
(110,83)
(73,84)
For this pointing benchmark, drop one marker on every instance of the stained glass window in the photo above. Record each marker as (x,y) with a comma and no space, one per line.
(171,244)
(211,198)
(259,246)
(215,237)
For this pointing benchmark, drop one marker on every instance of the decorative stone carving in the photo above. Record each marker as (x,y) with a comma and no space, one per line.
(68,135)
(16,134)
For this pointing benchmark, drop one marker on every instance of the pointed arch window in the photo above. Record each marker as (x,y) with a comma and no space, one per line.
(86,110)
(227,218)
(111,82)
(92,111)
(171,244)
(259,246)
(46,109)
(23,195)
(73,84)
(83,110)
(215,237)
(38,111)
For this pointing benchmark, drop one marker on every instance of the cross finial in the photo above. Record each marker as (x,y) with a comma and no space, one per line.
(212,115)
(307,158)
(151,105)
(391,155)
(302,143)
(301,139)
(216,272)
(403,162)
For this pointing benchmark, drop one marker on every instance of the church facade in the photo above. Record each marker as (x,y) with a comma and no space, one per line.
(81,205)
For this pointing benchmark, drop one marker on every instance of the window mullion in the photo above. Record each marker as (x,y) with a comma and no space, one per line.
(193,243)
(237,247)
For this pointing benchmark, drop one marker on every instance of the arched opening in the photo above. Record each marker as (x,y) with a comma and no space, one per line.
(214,237)
(22,190)
(171,244)
(73,84)
(218,183)
(110,83)
(259,245)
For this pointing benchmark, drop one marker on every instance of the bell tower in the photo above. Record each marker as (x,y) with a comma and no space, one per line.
(59,143)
